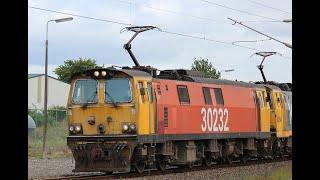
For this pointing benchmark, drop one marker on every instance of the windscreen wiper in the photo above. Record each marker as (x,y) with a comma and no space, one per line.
(90,99)
(112,100)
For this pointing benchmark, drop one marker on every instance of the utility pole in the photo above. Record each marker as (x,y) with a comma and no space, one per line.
(45,109)
(284,43)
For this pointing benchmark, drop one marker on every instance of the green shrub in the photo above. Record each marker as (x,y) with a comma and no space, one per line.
(37,116)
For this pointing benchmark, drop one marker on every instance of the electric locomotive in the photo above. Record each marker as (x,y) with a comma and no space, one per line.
(128,119)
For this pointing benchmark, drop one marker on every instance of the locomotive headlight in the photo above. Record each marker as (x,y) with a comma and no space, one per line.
(125,127)
(103,73)
(96,73)
(78,128)
(132,127)
(71,128)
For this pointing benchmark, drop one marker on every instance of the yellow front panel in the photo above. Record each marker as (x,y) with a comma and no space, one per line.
(118,116)
(106,114)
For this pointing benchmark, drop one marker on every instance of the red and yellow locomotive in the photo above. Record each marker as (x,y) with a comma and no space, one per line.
(119,119)
(132,118)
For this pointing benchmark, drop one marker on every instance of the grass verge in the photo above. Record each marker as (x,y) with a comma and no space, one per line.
(56,143)
(284,173)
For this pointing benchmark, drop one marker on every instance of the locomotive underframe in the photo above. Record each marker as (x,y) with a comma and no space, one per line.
(125,153)
(102,153)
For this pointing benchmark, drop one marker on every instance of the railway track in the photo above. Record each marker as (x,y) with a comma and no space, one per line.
(171,170)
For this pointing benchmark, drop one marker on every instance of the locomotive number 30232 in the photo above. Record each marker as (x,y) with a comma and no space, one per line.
(214,119)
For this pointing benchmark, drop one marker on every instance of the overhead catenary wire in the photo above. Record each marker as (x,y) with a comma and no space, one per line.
(266,21)
(164,31)
(189,15)
(238,10)
(267,6)
(81,16)
(172,11)
(244,41)
(238,22)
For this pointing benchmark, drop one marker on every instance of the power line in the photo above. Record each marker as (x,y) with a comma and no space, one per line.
(164,31)
(262,21)
(251,41)
(284,43)
(86,17)
(267,6)
(189,15)
(238,10)
(172,12)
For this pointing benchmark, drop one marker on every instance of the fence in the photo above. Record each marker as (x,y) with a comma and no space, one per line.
(54,116)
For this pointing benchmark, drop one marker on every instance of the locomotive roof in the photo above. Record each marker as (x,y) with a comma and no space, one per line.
(135,72)
(223,82)
(200,77)
(129,72)
(271,86)
(189,77)
(229,82)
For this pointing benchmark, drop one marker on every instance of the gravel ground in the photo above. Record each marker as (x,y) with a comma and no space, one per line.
(38,168)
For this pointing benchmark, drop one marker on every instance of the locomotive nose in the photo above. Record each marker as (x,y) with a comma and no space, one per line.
(110,120)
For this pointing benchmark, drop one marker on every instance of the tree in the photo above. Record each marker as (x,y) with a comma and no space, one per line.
(70,67)
(203,65)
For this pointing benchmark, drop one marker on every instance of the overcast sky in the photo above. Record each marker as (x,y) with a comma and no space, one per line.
(104,42)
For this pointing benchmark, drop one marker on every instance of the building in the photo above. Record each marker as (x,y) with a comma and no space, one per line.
(57,91)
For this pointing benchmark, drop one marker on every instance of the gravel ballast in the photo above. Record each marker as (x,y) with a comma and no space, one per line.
(38,168)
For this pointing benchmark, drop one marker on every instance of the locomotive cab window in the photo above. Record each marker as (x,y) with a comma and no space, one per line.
(270,100)
(183,95)
(150,95)
(85,91)
(265,99)
(260,100)
(117,90)
(142,91)
(207,95)
(219,96)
